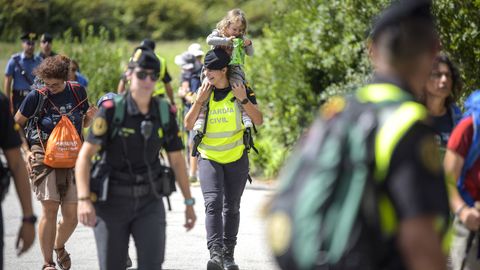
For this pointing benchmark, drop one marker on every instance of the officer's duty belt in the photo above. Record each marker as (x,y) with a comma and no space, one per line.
(133,191)
(135,178)
(21,92)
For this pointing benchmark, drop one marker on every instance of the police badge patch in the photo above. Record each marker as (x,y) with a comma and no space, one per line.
(99,126)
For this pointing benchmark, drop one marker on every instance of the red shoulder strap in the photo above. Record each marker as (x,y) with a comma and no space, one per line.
(74,87)
(43,91)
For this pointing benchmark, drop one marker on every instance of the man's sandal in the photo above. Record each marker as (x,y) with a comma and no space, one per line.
(50,266)
(63,258)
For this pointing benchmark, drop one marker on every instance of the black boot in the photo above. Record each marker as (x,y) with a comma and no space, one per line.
(228,261)
(216,259)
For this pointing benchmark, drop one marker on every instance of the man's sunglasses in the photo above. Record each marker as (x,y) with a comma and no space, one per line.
(142,75)
(29,42)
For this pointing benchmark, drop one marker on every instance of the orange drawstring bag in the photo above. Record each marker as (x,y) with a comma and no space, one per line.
(63,144)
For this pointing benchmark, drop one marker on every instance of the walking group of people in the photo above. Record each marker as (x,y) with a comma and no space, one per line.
(113,178)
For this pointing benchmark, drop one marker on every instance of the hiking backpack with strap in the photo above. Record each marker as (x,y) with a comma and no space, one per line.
(119,113)
(330,211)
(472,109)
(32,122)
(64,142)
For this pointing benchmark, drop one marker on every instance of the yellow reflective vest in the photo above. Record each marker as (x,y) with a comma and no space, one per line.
(223,138)
(160,85)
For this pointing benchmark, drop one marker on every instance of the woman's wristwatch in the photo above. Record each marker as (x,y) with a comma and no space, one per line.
(30,219)
(190,202)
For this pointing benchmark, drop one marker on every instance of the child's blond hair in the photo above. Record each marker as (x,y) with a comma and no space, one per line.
(233,16)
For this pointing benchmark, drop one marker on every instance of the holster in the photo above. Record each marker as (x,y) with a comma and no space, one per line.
(167,181)
(122,184)
(248,140)
(99,178)
(197,139)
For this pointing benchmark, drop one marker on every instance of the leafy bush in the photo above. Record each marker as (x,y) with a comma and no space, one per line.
(311,51)
(459,23)
(315,49)
(172,19)
(101,60)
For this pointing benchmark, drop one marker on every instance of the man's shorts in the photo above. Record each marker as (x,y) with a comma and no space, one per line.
(47,189)
(43,179)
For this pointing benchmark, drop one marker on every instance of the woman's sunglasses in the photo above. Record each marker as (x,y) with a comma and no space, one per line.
(142,75)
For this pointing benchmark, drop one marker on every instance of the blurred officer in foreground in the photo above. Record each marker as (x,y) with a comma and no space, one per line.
(344,213)
(10,144)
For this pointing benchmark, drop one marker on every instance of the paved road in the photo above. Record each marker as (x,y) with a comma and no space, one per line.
(184,250)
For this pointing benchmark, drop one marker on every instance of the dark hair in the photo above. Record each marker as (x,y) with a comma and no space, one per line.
(457,83)
(74,63)
(408,39)
(55,67)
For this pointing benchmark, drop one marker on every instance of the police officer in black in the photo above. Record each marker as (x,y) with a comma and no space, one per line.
(10,144)
(404,46)
(401,216)
(133,205)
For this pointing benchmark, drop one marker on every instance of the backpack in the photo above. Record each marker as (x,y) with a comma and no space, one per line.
(331,211)
(64,142)
(168,181)
(472,109)
(119,113)
(32,122)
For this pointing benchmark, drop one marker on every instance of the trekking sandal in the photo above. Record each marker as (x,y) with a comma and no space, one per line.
(63,258)
(50,266)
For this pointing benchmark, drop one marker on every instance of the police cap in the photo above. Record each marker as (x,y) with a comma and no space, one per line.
(400,11)
(28,36)
(216,59)
(148,43)
(107,96)
(46,37)
(144,58)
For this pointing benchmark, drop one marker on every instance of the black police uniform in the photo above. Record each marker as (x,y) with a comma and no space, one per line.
(9,138)
(415,184)
(131,207)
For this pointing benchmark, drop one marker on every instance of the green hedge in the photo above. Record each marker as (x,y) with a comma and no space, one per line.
(135,20)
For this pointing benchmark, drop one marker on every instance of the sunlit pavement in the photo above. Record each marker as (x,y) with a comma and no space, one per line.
(185,250)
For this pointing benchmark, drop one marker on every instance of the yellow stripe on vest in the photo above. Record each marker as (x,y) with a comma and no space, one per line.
(392,131)
(160,85)
(223,140)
